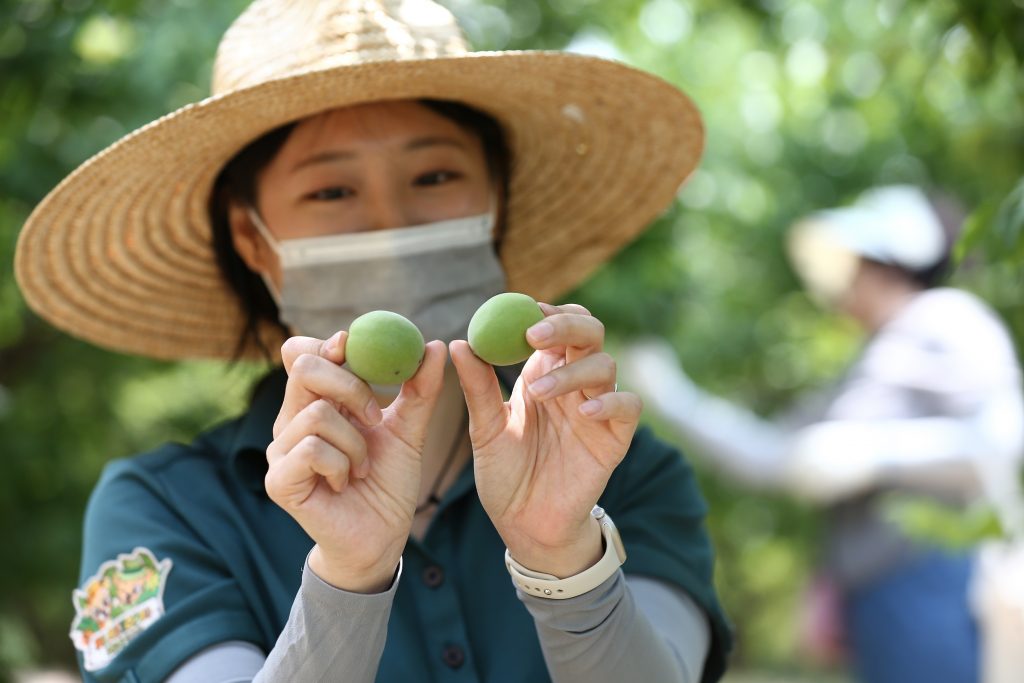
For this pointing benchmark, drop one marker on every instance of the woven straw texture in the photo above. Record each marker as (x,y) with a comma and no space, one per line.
(120,252)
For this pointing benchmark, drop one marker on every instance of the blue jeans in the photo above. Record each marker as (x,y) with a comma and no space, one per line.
(913,624)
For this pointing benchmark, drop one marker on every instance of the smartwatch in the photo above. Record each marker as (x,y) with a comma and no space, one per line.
(553,588)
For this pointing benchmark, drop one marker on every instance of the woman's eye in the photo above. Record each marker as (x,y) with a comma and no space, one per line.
(436,178)
(328,194)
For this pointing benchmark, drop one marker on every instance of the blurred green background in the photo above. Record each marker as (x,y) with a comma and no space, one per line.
(806,102)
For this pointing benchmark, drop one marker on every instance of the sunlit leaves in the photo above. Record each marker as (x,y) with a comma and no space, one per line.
(103,40)
(805,102)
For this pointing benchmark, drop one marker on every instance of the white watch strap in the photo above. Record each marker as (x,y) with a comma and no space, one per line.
(551,587)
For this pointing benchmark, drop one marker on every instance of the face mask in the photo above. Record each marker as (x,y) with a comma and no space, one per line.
(436,275)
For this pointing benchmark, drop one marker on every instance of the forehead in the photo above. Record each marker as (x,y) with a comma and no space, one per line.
(376,124)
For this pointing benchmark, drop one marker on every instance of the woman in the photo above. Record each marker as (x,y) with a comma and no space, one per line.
(930,411)
(355,157)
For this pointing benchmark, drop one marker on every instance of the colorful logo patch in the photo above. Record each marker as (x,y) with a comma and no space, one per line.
(118,603)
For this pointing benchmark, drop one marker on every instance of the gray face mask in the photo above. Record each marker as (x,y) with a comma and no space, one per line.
(436,275)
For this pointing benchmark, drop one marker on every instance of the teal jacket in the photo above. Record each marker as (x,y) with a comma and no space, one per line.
(183,549)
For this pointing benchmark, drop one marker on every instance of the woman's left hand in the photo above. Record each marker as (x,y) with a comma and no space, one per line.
(543,458)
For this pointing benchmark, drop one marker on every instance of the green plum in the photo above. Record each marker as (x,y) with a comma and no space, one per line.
(497,331)
(384,348)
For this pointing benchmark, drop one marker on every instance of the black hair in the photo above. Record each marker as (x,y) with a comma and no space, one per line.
(237,181)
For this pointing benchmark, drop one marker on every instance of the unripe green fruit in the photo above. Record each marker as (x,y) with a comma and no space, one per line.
(383,348)
(497,332)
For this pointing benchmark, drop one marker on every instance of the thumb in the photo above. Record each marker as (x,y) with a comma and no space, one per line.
(488,413)
(411,410)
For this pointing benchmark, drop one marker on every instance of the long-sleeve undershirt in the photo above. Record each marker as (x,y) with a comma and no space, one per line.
(634,628)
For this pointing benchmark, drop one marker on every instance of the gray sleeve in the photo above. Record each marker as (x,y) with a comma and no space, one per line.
(628,628)
(625,627)
(330,633)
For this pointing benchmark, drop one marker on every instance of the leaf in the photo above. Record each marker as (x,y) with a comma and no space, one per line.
(1008,223)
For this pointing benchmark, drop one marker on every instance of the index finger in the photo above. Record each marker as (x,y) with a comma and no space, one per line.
(333,349)
(567,329)
(549,309)
(314,378)
(322,377)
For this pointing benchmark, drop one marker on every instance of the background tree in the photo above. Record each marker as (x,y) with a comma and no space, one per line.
(806,102)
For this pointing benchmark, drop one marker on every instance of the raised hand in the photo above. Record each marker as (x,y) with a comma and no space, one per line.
(347,471)
(543,458)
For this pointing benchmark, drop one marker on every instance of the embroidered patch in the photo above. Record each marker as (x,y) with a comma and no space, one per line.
(118,603)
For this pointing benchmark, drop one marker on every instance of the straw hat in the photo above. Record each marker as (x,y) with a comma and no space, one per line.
(120,252)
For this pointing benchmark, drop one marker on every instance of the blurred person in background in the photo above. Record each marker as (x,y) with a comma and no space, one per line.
(931,407)
(355,156)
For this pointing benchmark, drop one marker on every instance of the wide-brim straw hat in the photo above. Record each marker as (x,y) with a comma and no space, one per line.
(120,253)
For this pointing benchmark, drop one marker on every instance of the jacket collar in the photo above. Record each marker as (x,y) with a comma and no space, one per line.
(247,452)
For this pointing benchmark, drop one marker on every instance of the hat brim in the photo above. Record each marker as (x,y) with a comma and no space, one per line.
(823,262)
(120,253)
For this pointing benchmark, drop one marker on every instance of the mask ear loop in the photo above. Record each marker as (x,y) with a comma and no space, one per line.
(274,245)
(262,229)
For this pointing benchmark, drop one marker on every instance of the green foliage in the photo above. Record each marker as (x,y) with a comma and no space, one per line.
(943,526)
(1005,237)
(806,102)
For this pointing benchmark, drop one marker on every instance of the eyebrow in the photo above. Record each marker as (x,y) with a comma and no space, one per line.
(345,155)
(434,140)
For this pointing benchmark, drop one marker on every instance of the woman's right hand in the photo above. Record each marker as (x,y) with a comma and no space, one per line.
(348,472)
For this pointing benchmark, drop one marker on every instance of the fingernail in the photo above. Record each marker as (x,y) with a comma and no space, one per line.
(372,412)
(592,407)
(332,344)
(542,386)
(363,469)
(540,331)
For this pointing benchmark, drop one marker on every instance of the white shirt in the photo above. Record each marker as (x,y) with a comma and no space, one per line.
(933,404)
